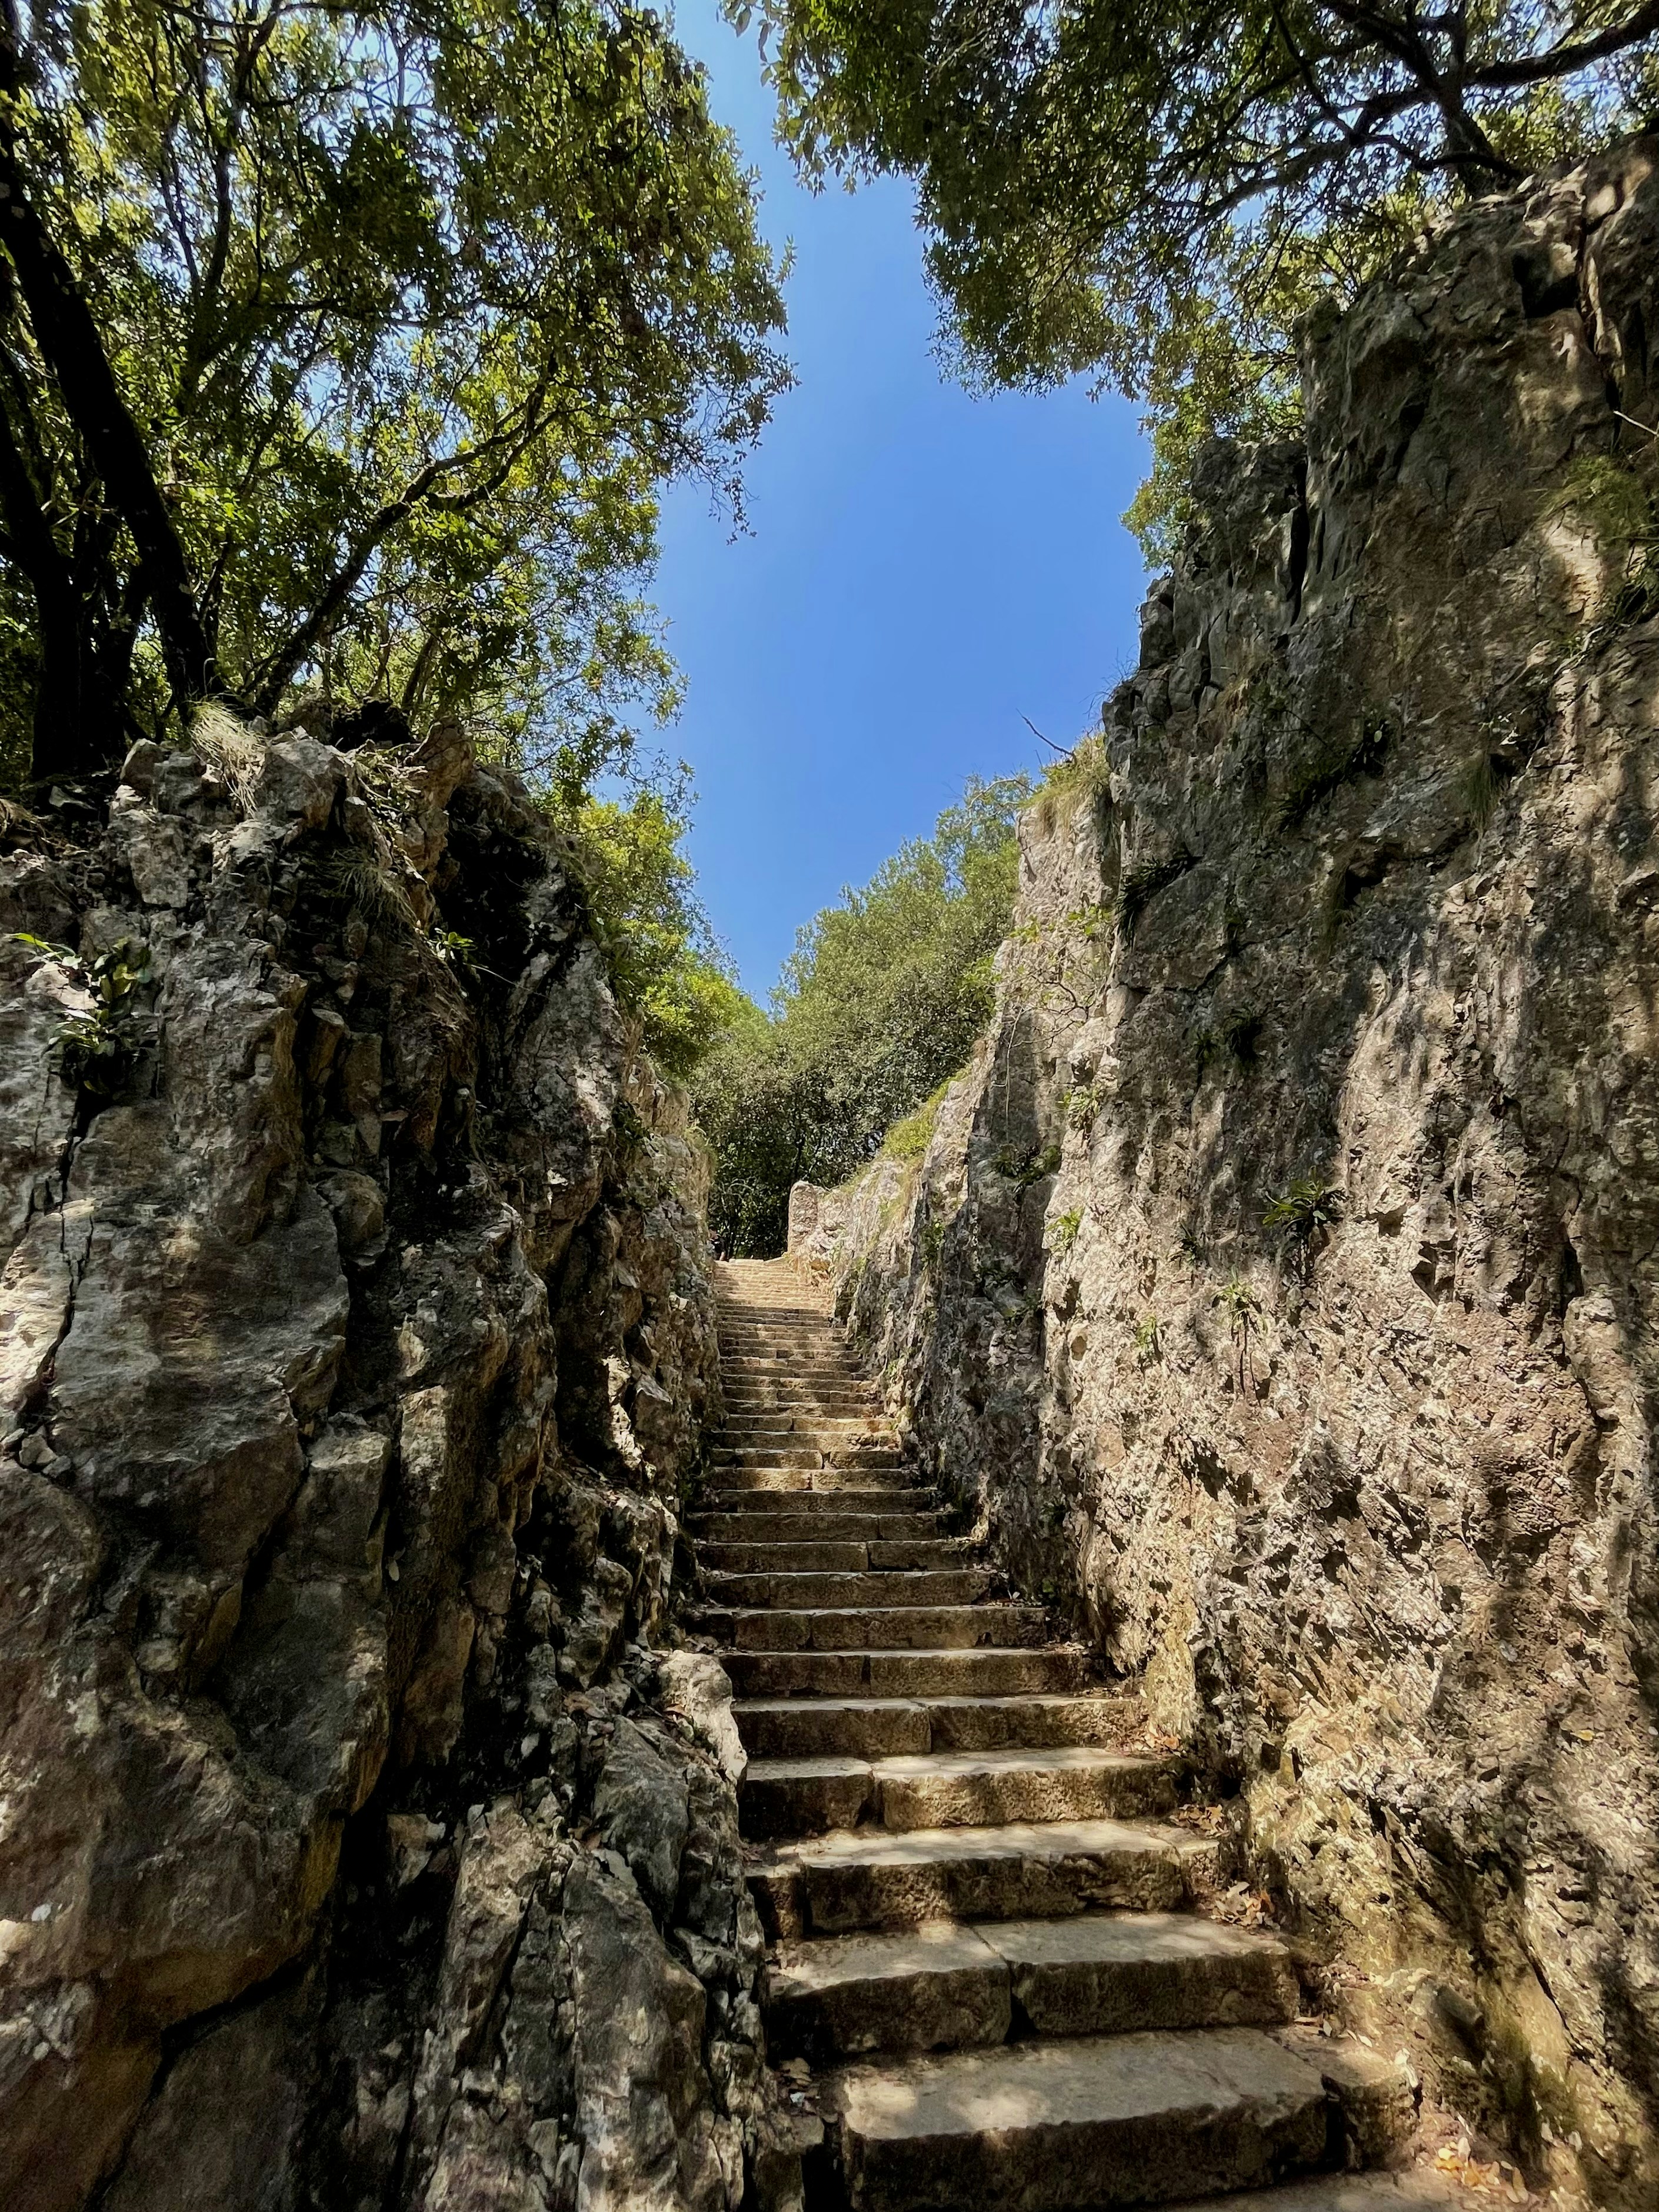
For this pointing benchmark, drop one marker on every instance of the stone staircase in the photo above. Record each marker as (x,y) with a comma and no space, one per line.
(988,1974)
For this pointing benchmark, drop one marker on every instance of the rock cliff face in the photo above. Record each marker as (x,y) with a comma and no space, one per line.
(1279,1291)
(357,1848)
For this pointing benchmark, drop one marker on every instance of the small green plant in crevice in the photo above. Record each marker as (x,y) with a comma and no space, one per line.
(1026,1168)
(451,946)
(227,749)
(628,1123)
(1637,599)
(94,1051)
(930,1245)
(1093,923)
(1237,1301)
(1192,1247)
(1148,1346)
(358,880)
(1081,1105)
(1620,511)
(1307,1203)
(1061,1232)
(1244,1311)
(1141,884)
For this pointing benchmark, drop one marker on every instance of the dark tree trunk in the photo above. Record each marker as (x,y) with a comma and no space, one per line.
(71,734)
(73,349)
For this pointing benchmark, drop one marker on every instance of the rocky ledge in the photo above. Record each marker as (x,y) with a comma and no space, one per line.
(364,1840)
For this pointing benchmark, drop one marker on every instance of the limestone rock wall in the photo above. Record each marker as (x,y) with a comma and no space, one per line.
(1279,1291)
(364,1840)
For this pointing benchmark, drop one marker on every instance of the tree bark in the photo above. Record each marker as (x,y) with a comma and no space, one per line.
(69,739)
(73,349)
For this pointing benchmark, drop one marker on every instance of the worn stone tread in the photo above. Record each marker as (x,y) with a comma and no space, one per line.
(948,1789)
(876,1728)
(992,1671)
(948,1985)
(803,1795)
(1351,2192)
(1011,1839)
(743,1528)
(1079,2124)
(835,1884)
(814,1589)
(888,1628)
(835,1556)
(813,1478)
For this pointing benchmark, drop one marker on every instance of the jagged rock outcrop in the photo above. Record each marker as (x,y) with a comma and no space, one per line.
(356,1847)
(1278,1288)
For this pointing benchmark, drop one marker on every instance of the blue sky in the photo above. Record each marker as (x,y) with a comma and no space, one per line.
(921,568)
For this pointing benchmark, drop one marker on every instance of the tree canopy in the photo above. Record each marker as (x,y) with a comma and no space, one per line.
(1156,194)
(880,1001)
(345,346)
(664,961)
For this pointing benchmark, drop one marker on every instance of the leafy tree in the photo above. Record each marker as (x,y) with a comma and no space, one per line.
(881,999)
(664,961)
(1158,195)
(345,345)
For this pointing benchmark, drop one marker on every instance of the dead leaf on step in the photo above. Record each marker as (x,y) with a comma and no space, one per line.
(1490,2180)
(1244,1907)
(1204,1820)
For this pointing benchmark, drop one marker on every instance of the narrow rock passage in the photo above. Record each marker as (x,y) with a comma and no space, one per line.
(988,1948)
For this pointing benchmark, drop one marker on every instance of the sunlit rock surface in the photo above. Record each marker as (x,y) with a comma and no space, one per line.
(1278,1289)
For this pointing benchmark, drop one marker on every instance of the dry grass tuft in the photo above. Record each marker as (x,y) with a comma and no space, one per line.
(1082,779)
(230,750)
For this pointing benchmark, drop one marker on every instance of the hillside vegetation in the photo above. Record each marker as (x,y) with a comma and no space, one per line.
(879,1003)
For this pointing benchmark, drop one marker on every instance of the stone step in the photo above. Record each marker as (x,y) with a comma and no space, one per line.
(807,1435)
(818,1327)
(815,1516)
(764,1355)
(884,1628)
(762,1394)
(995,1673)
(793,1451)
(809,1341)
(1091,2122)
(833,1884)
(880,1727)
(834,1493)
(888,1482)
(805,1428)
(1418,2191)
(816,1588)
(808,1409)
(951,1790)
(844,1556)
(830,1497)
(945,1986)
(762,1364)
